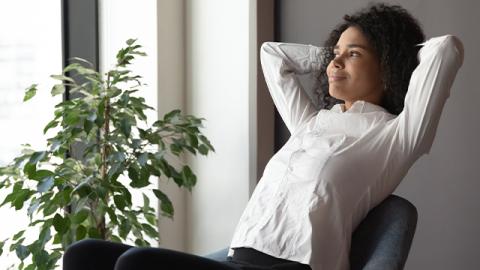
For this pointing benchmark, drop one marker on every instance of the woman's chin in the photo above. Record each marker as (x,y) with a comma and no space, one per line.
(336,93)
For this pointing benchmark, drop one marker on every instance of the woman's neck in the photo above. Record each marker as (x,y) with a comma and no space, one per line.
(346,106)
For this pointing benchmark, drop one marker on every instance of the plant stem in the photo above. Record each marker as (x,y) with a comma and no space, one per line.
(101,226)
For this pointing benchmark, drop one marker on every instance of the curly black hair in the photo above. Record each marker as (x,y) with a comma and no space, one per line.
(394,34)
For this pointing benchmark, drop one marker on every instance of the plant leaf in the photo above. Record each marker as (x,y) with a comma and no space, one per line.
(62,78)
(133,173)
(125,126)
(40,174)
(18,235)
(30,92)
(2,244)
(167,117)
(142,159)
(142,180)
(58,89)
(50,125)
(124,228)
(22,196)
(119,201)
(146,203)
(81,60)
(81,232)
(130,41)
(151,231)
(207,142)
(189,179)
(45,234)
(203,149)
(61,224)
(166,205)
(45,185)
(72,118)
(36,157)
(33,207)
(22,252)
(40,258)
(80,216)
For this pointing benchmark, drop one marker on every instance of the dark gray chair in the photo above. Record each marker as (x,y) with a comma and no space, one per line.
(381,241)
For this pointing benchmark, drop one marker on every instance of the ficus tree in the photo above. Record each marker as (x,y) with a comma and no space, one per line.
(71,195)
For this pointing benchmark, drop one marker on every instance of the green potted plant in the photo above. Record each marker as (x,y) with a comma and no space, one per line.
(72,197)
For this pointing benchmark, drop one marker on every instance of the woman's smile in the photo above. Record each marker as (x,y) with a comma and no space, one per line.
(336,78)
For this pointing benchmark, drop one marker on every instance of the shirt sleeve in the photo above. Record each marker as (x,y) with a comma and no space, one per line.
(429,87)
(281,63)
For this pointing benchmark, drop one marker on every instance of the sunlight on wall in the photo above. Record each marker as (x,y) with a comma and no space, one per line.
(218,89)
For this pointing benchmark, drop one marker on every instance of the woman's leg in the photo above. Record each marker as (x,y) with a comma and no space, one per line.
(160,258)
(93,254)
(103,255)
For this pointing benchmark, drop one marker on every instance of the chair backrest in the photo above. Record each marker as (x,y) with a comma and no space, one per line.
(383,239)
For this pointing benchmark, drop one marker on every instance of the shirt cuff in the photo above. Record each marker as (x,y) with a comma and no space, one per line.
(318,56)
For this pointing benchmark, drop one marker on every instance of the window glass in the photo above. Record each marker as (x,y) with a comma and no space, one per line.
(30,51)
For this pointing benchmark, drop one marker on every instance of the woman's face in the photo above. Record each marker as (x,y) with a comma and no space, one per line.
(354,74)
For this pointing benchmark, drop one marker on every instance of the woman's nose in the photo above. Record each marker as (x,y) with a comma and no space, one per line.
(337,62)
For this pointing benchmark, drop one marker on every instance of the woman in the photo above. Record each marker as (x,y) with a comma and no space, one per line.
(339,162)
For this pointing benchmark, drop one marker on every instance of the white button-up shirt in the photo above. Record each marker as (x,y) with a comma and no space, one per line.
(337,165)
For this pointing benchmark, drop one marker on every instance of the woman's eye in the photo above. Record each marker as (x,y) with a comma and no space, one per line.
(354,53)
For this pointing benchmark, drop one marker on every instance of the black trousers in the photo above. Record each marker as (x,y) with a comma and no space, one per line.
(103,255)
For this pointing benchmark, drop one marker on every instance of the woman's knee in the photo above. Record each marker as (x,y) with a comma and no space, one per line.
(135,258)
(81,248)
(160,258)
(79,254)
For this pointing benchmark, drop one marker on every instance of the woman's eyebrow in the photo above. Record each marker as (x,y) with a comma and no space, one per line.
(353,46)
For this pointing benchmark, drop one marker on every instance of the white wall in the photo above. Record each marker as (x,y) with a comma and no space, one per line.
(218,64)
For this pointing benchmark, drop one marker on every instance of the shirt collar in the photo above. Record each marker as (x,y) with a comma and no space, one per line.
(359,106)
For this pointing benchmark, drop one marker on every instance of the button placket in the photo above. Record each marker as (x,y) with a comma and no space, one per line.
(290,169)
(291,160)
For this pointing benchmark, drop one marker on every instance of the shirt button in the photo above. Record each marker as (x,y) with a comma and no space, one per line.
(290,168)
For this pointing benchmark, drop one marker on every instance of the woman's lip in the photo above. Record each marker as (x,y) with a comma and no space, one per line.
(336,78)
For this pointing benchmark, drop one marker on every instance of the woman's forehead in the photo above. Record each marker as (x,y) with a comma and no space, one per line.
(353,37)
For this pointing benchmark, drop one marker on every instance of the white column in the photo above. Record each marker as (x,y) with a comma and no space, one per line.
(171,95)
(219,87)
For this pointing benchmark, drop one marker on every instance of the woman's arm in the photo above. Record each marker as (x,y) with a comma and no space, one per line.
(281,63)
(429,87)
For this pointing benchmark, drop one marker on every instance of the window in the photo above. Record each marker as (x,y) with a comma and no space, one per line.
(30,51)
